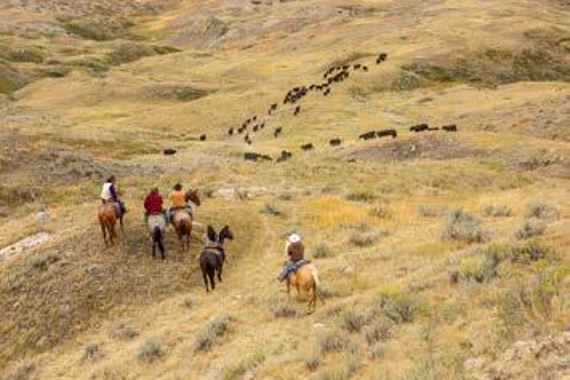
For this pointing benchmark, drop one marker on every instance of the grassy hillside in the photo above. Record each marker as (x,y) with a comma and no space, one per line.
(442,255)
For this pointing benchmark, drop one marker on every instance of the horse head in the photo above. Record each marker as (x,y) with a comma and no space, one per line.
(226,233)
(211,233)
(192,195)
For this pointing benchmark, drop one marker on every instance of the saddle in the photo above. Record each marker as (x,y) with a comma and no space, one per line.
(217,250)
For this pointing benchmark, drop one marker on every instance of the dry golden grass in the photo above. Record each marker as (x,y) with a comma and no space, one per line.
(55,312)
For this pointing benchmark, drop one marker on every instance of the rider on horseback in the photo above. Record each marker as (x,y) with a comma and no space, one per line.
(295,250)
(153,203)
(178,199)
(109,194)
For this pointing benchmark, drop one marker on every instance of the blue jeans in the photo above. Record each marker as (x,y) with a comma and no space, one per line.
(290,267)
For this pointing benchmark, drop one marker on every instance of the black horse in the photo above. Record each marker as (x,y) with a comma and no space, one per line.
(213,257)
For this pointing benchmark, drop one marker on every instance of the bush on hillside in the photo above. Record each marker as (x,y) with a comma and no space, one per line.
(214,329)
(498,211)
(460,225)
(530,228)
(151,350)
(542,211)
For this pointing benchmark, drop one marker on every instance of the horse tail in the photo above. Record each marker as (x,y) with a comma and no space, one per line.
(316,285)
(315,275)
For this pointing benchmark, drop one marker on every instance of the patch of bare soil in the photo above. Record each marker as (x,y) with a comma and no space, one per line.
(426,146)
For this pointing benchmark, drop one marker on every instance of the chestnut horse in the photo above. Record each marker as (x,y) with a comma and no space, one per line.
(307,279)
(181,219)
(108,216)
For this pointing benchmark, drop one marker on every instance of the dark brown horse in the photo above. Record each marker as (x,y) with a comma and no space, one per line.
(108,216)
(181,219)
(214,255)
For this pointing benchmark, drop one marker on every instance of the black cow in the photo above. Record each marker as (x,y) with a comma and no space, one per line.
(272,108)
(265,157)
(357,66)
(433,129)
(450,128)
(203,138)
(231,131)
(419,128)
(169,151)
(262,125)
(335,142)
(381,58)
(277,132)
(255,128)
(285,156)
(387,132)
(365,68)
(328,91)
(368,135)
(307,147)
(297,110)
(250,156)
(254,118)
(247,139)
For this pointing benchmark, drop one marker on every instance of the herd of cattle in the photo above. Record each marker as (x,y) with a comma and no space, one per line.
(333,75)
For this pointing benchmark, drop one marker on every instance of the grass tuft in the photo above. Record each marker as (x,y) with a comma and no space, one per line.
(151,350)
(460,225)
(322,250)
(363,196)
(332,341)
(214,329)
(313,363)
(530,228)
(542,211)
(497,211)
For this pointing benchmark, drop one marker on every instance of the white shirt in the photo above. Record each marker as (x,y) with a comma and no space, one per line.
(106,192)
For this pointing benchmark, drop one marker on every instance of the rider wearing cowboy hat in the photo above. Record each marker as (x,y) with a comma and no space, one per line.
(295,250)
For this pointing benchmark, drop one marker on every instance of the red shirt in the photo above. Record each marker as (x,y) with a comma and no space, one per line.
(153,203)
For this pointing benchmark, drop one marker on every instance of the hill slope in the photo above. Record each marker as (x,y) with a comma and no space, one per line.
(442,255)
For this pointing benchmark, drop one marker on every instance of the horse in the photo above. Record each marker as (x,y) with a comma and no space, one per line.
(156,227)
(307,279)
(181,219)
(213,257)
(108,216)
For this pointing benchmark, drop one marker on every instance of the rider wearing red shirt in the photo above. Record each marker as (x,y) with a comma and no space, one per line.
(153,203)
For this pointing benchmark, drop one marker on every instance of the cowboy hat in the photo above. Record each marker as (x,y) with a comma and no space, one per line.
(294,238)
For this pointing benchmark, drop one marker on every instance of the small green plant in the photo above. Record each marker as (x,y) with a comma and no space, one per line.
(530,228)
(214,329)
(531,250)
(353,320)
(397,306)
(379,212)
(542,211)
(313,363)
(431,211)
(271,210)
(151,350)
(332,341)
(123,332)
(460,225)
(378,330)
(239,370)
(376,351)
(281,309)
(498,211)
(363,196)
(364,239)
(322,250)
(479,268)
(92,352)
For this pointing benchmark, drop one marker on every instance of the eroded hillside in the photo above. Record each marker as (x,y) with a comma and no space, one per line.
(442,254)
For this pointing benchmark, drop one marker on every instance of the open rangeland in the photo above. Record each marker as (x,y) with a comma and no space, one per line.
(443,250)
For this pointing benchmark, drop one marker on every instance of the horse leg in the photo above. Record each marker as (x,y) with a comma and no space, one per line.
(104,231)
(288,288)
(161,247)
(220,267)
(205,279)
(211,274)
(122,225)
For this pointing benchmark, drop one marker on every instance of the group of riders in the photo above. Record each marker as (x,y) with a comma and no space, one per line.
(154,207)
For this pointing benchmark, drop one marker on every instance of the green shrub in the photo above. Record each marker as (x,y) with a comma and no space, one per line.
(379,212)
(332,341)
(460,225)
(431,211)
(271,210)
(24,370)
(282,309)
(530,228)
(376,351)
(364,196)
(214,329)
(542,211)
(399,307)
(237,371)
(479,268)
(364,239)
(532,250)
(322,250)
(151,350)
(378,330)
(313,363)
(498,211)
(353,320)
